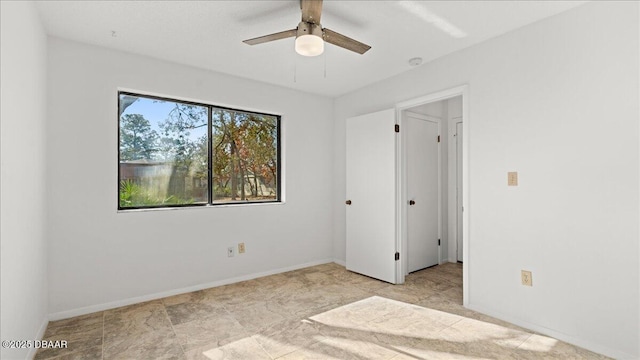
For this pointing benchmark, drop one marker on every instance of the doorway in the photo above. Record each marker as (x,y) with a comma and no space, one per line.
(432,149)
(376,163)
(448,109)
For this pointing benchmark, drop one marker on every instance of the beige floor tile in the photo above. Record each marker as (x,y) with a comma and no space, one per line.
(368,284)
(412,312)
(244,349)
(354,314)
(238,293)
(81,333)
(453,294)
(146,345)
(208,331)
(303,302)
(344,294)
(543,347)
(319,279)
(384,321)
(308,313)
(444,303)
(140,331)
(258,315)
(365,311)
(410,325)
(74,325)
(134,319)
(288,336)
(343,349)
(320,312)
(446,351)
(91,353)
(476,331)
(270,286)
(195,296)
(405,292)
(189,311)
(293,308)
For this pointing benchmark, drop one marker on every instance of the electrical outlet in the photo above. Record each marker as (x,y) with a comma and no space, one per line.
(527,280)
(241,248)
(231,251)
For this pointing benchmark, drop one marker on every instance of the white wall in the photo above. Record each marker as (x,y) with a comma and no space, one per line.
(22,230)
(100,258)
(556,101)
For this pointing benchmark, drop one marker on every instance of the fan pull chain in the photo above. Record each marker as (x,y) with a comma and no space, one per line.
(325,64)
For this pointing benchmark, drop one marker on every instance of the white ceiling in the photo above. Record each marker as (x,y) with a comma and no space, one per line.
(209,34)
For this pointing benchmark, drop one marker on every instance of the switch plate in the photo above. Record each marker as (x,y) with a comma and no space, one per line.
(241,248)
(512,178)
(231,251)
(527,280)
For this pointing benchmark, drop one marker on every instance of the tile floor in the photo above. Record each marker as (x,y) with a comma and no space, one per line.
(320,312)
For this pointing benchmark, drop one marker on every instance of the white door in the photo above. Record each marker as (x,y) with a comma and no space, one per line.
(371,195)
(459,189)
(422,192)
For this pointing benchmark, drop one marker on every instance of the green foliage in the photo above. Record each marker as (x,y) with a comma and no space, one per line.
(221,191)
(135,195)
(137,140)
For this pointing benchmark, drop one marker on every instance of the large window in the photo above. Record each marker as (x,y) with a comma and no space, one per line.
(175,153)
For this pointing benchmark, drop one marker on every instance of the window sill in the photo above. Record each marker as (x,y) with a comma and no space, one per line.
(239,204)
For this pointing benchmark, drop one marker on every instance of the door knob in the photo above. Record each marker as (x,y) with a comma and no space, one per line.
(348,202)
(411,202)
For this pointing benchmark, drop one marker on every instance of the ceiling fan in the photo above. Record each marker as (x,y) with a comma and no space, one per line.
(310,35)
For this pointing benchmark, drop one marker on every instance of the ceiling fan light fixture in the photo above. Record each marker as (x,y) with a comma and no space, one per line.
(309,45)
(309,41)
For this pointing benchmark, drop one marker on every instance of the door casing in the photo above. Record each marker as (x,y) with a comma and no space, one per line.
(459,197)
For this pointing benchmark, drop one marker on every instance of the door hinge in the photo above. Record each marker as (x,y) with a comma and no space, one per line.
(438,138)
(397,256)
(397,127)
(438,242)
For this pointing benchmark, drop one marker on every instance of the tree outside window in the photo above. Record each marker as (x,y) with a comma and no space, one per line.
(174,153)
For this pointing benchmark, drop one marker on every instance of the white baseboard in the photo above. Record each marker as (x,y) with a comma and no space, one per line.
(39,336)
(138,299)
(598,348)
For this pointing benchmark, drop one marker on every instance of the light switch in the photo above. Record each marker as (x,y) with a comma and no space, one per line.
(512,178)
(527,280)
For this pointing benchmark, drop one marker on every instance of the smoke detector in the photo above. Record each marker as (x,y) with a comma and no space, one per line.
(415,61)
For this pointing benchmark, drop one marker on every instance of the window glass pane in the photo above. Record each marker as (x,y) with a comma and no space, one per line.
(163,152)
(245,156)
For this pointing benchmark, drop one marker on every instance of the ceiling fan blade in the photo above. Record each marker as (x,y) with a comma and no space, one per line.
(311,11)
(348,43)
(271,37)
